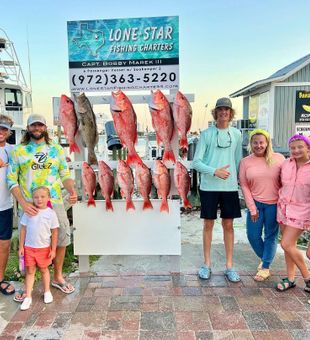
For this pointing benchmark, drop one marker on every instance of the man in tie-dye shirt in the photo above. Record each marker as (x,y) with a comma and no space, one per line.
(38,161)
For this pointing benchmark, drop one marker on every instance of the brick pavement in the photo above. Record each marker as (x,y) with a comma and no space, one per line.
(157,306)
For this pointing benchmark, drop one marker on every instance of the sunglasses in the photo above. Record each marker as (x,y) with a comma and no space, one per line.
(228,142)
(4,129)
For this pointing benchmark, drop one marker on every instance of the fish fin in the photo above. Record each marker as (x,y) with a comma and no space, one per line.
(130,205)
(183,143)
(147,204)
(108,205)
(91,201)
(133,158)
(187,204)
(92,158)
(169,156)
(164,206)
(74,148)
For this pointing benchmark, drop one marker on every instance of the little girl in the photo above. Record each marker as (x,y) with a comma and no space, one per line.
(293,213)
(38,241)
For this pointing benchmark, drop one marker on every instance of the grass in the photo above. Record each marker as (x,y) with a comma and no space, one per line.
(12,272)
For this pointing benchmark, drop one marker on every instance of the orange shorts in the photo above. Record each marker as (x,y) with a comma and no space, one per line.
(37,256)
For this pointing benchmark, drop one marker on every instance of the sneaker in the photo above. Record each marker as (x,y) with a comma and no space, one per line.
(204,272)
(48,297)
(232,275)
(26,303)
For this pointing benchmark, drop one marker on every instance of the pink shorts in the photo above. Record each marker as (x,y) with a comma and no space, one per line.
(291,222)
(37,256)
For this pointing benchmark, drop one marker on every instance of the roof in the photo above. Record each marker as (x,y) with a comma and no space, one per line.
(280,75)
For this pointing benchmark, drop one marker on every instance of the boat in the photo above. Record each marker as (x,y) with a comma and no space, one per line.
(15,94)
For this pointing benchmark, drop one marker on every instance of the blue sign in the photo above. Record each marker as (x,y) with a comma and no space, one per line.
(104,54)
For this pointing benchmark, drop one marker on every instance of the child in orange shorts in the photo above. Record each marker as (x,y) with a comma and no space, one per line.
(37,243)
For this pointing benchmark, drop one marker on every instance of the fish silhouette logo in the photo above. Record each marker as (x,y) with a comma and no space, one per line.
(90,39)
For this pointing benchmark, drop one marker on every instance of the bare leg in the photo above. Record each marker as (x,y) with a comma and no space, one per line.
(45,279)
(30,272)
(207,239)
(58,264)
(4,255)
(289,239)
(228,230)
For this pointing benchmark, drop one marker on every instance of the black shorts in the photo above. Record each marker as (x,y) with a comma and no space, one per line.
(227,201)
(6,224)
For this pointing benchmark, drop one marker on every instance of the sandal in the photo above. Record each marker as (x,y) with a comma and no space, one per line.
(232,275)
(285,284)
(5,290)
(20,296)
(65,287)
(262,275)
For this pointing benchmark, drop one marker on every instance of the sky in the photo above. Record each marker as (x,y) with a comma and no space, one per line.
(224,44)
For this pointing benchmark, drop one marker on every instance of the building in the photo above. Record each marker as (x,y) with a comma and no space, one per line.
(280,103)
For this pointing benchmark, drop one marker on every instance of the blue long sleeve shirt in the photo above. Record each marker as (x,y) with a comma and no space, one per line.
(217,148)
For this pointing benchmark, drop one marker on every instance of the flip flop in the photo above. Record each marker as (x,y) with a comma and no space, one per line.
(4,290)
(62,286)
(23,295)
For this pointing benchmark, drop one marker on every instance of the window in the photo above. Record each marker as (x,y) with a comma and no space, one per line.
(13,100)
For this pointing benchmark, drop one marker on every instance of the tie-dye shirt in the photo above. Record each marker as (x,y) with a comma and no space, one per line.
(35,165)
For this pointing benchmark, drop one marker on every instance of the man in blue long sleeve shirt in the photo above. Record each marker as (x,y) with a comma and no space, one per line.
(217,158)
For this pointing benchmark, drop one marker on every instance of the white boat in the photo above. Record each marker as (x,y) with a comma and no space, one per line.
(15,95)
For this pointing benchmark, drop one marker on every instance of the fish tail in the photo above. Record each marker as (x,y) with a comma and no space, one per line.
(74,148)
(108,205)
(133,158)
(187,204)
(91,201)
(164,206)
(169,156)
(92,158)
(147,204)
(183,143)
(129,205)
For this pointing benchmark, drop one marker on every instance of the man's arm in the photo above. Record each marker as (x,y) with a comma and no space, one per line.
(70,187)
(27,207)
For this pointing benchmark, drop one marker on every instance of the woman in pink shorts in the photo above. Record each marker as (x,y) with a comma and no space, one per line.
(293,213)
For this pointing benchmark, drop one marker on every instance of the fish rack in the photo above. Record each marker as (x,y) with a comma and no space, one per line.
(135,232)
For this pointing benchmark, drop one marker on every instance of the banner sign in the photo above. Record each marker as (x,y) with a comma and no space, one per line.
(126,54)
(302,108)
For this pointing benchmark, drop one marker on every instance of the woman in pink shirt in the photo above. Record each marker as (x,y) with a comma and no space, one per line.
(293,212)
(259,177)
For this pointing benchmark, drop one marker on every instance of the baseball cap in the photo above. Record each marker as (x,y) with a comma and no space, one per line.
(223,102)
(36,118)
(6,122)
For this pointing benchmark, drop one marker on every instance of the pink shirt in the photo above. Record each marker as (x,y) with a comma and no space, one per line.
(295,190)
(259,181)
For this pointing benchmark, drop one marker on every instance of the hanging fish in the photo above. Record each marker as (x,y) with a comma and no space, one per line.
(182,182)
(162,183)
(89,183)
(106,182)
(182,114)
(88,126)
(69,121)
(144,183)
(125,182)
(125,122)
(162,121)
